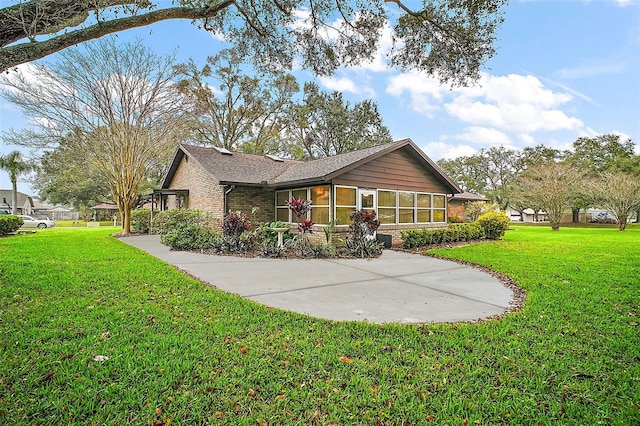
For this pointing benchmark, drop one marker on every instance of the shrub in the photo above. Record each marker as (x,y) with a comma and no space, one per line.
(170,220)
(494,223)
(412,238)
(9,223)
(234,224)
(141,221)
(191,237)
(361,241)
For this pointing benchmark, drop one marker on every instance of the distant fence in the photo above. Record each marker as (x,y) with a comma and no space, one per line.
(53,215)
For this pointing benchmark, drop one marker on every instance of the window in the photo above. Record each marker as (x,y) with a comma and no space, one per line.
(423,211)
(319,196)
(406,207)
(345,201)
(439,208)
(282,211)
(320,204)
(387,206)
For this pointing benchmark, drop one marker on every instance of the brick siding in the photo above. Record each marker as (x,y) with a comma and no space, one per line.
(204,192)
(244,198)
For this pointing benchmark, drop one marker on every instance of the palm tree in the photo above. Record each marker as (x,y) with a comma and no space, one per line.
(15,164)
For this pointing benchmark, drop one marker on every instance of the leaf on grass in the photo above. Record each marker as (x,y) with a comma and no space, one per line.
(633,323)
(346,359)
(583,376)
(105,335)
(243,350)
(66,357)
(47,376)
(429,418)
(100,358)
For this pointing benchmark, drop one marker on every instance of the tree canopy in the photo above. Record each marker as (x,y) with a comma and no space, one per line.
(448,39)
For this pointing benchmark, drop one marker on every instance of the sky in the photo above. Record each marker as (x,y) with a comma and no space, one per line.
(563,70)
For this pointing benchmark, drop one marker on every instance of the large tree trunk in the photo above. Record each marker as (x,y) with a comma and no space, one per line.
(576,215)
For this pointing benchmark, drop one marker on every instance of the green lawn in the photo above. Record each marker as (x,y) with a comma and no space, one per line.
(180,352)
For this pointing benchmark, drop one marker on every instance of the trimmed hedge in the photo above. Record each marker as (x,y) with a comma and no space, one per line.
(9,224)
(169,220)
(191,237)
(412,238)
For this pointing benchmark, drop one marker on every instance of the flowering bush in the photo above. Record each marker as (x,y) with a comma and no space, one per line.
(235,224)
(306,227)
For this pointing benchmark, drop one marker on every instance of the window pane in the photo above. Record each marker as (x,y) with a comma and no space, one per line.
(300,194)
(386,198)
(424,200)
(424,216)
(366,201)
(438,215)
(405,216)
(405,199)
(282,197)
(282,215)
(320,215)
(320,196)
(438,201)
(345,196)
(343,213)
(387,215)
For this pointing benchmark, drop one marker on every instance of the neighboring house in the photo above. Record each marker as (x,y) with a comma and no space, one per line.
(528,215)
(461,199)
(104,211)
(25,202)
(397,180)
(43,209)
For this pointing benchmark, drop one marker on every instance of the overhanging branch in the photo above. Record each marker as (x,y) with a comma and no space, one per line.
(30,51)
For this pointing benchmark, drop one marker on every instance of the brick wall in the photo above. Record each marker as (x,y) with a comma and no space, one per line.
(244,198)
(204,192)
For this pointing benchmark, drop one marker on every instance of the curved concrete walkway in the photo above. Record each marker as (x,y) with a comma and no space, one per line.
(396,287)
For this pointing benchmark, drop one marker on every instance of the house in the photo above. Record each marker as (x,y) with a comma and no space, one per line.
(526,215)
(44,209)
(397,180)
(25,202)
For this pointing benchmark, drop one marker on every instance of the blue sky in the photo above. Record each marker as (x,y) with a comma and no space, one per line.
(564,69)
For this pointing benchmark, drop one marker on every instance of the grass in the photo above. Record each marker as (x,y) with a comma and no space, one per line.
(180,352)
(79,223)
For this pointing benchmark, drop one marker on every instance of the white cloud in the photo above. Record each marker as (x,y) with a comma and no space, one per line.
(437,150)
(345,84)
(426,93)
(512,103)
(482,136)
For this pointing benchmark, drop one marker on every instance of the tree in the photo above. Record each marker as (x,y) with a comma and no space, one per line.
(64,177)
(489,172)
(618,192)
(324,124)
(602,153)
(118,108)
(551,187)
(240,113)
(15,165)
(450,40)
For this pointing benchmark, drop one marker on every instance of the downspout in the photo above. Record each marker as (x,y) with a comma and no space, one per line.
(226,201)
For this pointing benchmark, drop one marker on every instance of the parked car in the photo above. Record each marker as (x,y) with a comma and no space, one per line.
(31,222)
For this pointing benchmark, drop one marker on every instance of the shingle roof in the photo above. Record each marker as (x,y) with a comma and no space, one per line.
(237,167)
(251,169)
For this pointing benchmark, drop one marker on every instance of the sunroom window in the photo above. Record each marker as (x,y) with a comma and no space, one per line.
(345,204)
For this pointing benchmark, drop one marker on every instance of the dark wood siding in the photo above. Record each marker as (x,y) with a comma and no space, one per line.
(397,170)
